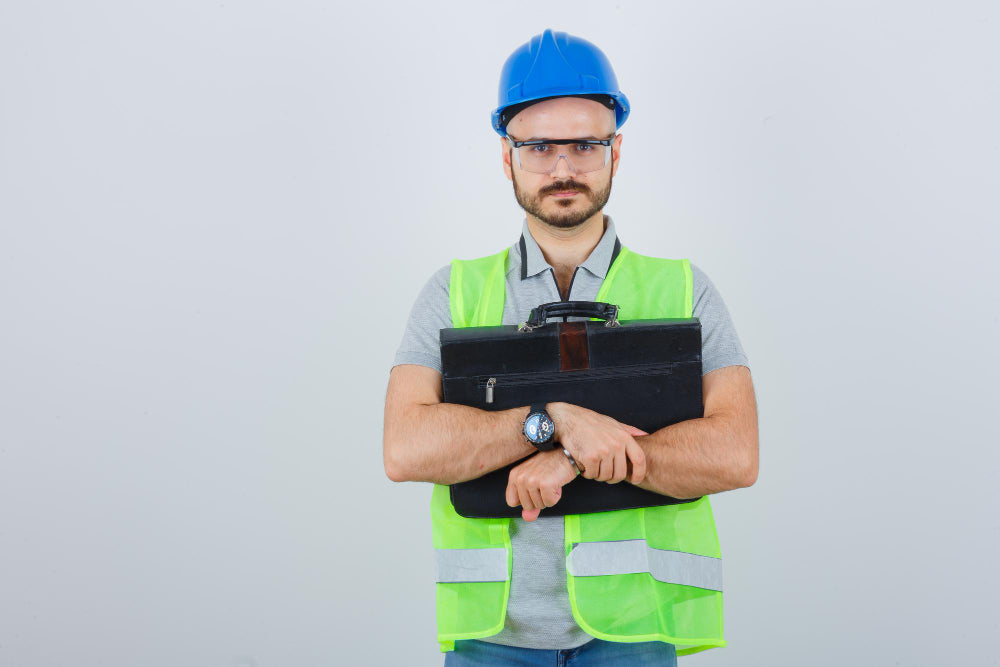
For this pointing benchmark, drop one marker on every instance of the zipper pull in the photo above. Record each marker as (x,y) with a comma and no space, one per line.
(489,389)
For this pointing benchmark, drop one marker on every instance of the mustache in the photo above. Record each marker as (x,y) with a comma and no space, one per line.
(563,186)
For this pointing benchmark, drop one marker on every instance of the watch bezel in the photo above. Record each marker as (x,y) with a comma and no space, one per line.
(548,443)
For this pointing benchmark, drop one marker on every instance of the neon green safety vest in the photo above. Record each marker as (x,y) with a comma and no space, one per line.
(652,573)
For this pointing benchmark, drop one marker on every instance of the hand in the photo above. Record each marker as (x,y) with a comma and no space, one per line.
(602,446)
(635,431)
(537,482)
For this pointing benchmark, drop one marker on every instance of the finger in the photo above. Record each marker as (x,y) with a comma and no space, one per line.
(536,498)
(638,459)
(529,515)
(621,468)
(589,466)
(525,498)
(511,495)
(607,469)
(550,496)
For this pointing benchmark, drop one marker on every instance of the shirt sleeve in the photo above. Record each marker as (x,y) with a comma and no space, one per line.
(430,313)
(720,346)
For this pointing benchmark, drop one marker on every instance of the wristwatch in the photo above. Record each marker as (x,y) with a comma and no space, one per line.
(539,429)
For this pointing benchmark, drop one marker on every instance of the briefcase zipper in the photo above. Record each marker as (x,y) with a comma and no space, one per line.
(520,379)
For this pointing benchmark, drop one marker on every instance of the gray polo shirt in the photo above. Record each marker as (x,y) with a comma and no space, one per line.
(538,611)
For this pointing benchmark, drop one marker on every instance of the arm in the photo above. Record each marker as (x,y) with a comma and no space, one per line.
(689,459)
(714,453)
(425,440)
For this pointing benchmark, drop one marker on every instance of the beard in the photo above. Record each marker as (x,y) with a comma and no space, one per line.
(564,217)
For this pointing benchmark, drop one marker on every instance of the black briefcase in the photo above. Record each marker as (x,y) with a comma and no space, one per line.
(646,373)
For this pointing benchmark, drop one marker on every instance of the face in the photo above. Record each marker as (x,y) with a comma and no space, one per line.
(562,198)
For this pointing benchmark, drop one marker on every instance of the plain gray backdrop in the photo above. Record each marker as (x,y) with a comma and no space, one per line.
(215,216)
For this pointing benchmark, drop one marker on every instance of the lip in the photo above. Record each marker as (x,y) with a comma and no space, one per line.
(565,193)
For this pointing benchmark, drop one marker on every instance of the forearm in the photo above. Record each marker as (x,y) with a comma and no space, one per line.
(697,457)
(448,443)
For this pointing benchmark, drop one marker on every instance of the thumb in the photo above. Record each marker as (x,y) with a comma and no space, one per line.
(530,515)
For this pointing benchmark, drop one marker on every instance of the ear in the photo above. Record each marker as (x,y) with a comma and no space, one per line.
(505,150)
(616,154)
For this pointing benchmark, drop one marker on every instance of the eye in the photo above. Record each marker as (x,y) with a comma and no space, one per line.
(540,148)
(584,148)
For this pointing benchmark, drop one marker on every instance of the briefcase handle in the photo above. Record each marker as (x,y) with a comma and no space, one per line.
(598,309)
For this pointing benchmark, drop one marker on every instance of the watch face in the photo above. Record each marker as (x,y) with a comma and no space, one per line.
(538,427)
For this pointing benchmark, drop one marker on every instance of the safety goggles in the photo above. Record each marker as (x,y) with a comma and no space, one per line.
(540,156)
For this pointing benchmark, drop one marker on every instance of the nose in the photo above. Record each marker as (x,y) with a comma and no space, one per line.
(563,168)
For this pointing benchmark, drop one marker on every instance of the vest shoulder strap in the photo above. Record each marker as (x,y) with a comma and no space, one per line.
(642,286)
(645,287)
(476,290)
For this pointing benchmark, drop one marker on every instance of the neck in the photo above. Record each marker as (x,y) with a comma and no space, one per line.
(567,248)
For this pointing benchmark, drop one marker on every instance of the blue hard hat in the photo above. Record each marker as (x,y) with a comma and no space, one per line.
(556,64)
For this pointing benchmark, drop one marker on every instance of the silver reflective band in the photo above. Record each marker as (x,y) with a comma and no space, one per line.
(593,559)
(459,566)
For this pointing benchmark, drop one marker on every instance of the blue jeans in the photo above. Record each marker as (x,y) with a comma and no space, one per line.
(595,653)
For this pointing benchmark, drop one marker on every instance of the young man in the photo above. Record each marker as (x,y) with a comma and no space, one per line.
(517,590)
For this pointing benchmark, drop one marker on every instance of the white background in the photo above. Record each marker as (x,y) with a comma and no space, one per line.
(215,216)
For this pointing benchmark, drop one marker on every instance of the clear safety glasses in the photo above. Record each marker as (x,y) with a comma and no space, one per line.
(582,155)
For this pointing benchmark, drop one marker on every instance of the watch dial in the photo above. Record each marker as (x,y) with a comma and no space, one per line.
(538,428)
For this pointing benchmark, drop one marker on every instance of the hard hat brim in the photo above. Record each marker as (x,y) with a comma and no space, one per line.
(502,115)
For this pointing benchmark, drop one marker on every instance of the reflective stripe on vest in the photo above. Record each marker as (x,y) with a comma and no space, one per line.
(635,575)
(465,565)
(595,559)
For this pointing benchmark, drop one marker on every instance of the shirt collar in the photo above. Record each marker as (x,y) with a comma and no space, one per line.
(598,262)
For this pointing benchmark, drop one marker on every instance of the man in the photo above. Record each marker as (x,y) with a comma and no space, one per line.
(654,589)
